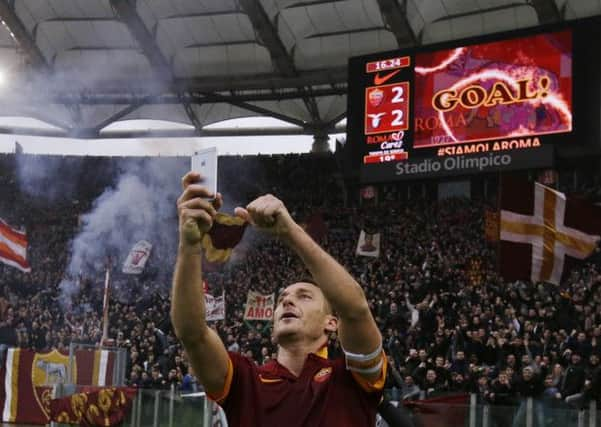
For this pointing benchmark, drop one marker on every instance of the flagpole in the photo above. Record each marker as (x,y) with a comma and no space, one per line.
(105,305)
(498,242)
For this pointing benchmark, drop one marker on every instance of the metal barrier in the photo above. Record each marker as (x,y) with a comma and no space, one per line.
(168,408)
(533,413)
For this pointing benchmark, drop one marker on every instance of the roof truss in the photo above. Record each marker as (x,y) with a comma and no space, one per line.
(283,62)
(547,11)
(126,10)
(395,19)
(22,36)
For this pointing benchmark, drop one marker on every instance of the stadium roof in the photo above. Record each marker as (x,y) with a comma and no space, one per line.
(81,65)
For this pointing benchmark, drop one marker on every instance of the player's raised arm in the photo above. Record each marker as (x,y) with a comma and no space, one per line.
(358,331)
(205,350)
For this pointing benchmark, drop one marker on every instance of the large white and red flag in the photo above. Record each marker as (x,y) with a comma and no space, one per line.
(13,247)
(543,233)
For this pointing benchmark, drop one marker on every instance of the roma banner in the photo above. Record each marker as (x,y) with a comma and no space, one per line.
(93,407)
(259,307)
(215,307)
(13,247)
(368,244)
(137,258)
(544,234)
(27,378)
(94,367)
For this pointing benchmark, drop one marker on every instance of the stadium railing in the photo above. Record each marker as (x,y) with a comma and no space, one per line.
(169,408)
(533,413)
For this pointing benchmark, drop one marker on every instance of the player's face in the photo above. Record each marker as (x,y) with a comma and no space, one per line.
(301,314)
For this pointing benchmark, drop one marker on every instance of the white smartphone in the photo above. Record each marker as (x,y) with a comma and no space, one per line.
(205,163)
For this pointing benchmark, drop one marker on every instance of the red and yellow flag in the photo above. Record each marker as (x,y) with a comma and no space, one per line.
(93,407)
(226,233)
(544,233)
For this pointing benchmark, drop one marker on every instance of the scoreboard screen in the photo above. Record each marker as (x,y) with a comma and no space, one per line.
(462,108)
(494,90)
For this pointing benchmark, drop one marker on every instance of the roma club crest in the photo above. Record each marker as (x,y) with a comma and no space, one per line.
(376,97)
(47,370)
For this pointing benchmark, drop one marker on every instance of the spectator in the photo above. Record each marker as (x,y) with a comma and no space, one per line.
(530,386)
(173,379)
(551,395)
(431,385)
(502,397)
(410,390)
(134,379)
(412,362)
(573,381)
(458,383)
(460,365)
(557,375)
(146,381)
(189,383)
(157,381)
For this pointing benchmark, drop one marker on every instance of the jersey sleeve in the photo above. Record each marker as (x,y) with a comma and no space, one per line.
(237,369)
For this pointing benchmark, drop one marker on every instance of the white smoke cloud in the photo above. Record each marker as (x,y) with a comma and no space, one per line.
(140,205)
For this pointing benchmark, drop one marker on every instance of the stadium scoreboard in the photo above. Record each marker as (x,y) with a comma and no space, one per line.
(494,103)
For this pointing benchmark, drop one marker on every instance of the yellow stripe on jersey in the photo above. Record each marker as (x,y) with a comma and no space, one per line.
(220,397)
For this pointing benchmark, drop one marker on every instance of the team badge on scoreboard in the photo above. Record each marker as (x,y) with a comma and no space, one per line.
(375,97)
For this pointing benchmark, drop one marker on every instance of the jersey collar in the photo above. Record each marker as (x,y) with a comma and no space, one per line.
(322,352)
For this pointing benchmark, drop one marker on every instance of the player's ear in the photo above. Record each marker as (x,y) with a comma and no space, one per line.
(331,323)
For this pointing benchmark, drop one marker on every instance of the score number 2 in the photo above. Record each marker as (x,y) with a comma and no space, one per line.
(398,98)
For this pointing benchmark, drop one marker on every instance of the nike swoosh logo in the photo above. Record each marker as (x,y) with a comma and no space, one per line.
(269,380)
(378,80)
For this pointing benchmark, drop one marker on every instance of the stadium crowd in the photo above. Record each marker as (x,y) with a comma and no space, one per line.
(449,322)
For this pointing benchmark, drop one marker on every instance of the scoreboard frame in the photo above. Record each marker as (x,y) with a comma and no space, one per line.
(392,68)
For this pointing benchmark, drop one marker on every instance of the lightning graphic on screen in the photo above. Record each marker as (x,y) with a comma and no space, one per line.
(444,64)
(552,98)
(549,99)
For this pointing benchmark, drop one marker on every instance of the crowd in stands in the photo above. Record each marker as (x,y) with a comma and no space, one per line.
(450,323)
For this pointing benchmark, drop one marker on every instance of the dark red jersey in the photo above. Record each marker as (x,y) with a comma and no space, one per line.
(325,394)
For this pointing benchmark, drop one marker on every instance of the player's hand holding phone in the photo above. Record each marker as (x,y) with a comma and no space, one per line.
(196,208)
